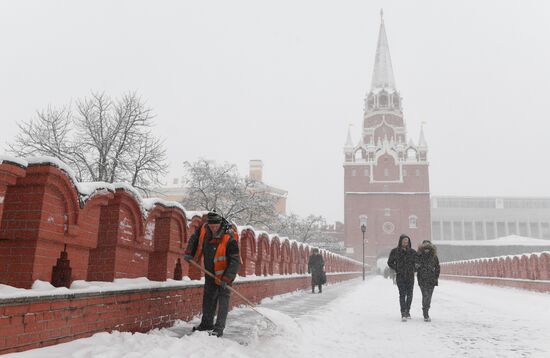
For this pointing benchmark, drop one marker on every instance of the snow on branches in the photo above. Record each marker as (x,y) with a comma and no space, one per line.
(102,139)
(220,187)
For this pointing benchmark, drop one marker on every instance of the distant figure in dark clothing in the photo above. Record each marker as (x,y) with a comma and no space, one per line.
(217,243)
(315,266)
(402,260)
(427,267)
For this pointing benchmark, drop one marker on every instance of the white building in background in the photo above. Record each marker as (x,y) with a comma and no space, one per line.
(177,191)
(484,218)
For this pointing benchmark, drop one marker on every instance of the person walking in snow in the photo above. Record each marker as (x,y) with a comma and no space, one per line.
(315,266)
(402,261)
(427,267)
(216,242)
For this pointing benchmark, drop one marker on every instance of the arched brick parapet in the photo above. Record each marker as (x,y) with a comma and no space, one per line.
(533,270)
(247,244)
(508,267)
(122,251)
(166,228)
(515,267)
(39,217)
(302,259)
(544,266)
(263,258)
(275,255)
(294,257)
(284,260)
(523,267)
(9,172)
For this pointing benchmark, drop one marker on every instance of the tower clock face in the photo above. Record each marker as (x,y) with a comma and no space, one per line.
(388,227)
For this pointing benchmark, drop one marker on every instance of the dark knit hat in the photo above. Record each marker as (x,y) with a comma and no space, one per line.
(214,218)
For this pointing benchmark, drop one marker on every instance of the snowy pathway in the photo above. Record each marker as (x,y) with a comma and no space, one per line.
(352,319)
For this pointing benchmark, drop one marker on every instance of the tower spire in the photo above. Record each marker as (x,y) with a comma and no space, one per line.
(349,143)
(382,75)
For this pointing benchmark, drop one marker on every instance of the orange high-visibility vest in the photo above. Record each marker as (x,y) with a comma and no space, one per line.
(220,257)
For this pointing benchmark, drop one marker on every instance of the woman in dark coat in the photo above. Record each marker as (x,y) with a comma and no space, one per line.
(315,266)
(427,267)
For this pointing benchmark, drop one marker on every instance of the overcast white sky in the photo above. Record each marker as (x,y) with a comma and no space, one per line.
(281,81)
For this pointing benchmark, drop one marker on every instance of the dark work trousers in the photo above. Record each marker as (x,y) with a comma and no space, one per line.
(316,281)
(214,296)
(405,293)
(427,292)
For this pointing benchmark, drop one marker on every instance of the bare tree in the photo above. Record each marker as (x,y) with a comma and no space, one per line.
(308,229)
(103,139)
(211,186)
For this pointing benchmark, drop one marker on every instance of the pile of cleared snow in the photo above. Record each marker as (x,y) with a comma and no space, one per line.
(42,288)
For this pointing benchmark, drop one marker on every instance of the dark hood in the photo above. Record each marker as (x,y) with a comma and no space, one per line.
(427,245)
(403,236)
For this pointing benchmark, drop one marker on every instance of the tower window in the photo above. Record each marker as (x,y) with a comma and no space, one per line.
(396,100)
(386,189)
(383,100)
(366,172)
(387,212)
(386,172)
(353,172)
(412,221)
(417,172)
(370,102)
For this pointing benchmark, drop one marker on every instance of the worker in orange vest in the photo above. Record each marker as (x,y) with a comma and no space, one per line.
(216,243)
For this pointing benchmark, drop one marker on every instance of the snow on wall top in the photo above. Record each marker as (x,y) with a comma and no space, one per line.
(86,190)
(519,256)
(19,161)
(192,213)
(149,203)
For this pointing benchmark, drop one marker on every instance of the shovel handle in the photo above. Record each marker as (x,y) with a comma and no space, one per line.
(253,306)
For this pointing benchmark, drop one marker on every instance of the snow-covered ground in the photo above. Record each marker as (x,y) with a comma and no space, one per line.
(352,319)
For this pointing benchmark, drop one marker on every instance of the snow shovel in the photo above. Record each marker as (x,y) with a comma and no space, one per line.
(253,306)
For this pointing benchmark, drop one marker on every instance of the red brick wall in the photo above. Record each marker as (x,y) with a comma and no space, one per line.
(106,236)
(529,271)
(28,323)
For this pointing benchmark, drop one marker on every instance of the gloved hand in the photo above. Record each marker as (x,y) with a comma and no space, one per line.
(188,257)
(221,283)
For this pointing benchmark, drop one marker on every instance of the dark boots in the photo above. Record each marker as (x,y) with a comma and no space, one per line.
(202,327)
(217,332)
(426,315)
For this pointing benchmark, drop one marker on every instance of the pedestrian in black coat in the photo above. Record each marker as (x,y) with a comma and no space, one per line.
(402,261)
(315,266)
(427,267)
